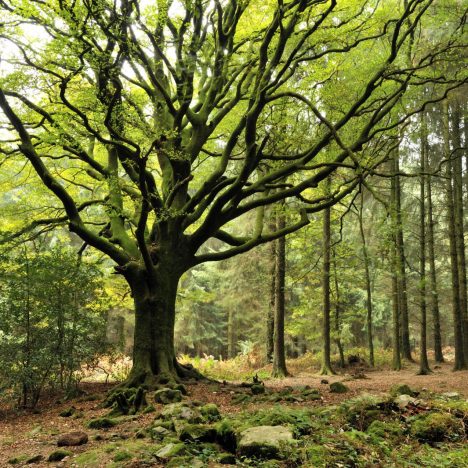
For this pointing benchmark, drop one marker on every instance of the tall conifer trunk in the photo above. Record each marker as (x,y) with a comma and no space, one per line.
(423,362)
(460,359)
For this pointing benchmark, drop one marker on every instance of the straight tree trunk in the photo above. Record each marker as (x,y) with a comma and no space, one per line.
(337,328)
(326,358)
(279,358)
(231,333)
(271,308)
(401,262)
(460,360)
(457,168)
(423,361)
(439,357)
(370,341)
(396,363)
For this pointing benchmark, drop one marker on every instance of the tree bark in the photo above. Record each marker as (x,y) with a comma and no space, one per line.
(231,334)
(271,308)
(326,358)
(279,357)
(370,341)
(423,361)
(460,359)
(457,168)
(439,357)
(401,262)
(337,317)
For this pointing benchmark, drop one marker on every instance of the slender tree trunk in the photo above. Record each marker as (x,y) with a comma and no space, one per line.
(370,341)
(271,308)
(439,357)
(460,362)
(423,361)
(279,358)
(231,333)
(401,275)
(396,364)
(326,358)
(457,168)
(337,327)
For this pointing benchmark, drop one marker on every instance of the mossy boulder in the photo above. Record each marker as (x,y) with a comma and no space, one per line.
(66,413)
(257,389)
(338,387)
(402,389)
(34,459)
(183,411)
(436,427)
(58,455)
(101,423)
(265,441)
(172,450)
(210,412)
(198,433)
(227,459)
(159,432)
(126,401)
(166,396)
(226,435)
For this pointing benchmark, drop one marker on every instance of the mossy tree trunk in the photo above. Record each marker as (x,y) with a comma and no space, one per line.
(326,358)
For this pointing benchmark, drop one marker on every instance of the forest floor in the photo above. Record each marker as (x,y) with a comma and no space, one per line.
(28,438)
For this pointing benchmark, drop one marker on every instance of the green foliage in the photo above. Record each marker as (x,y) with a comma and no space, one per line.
(52,320)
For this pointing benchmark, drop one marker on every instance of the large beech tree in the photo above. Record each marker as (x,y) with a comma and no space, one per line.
(157,124)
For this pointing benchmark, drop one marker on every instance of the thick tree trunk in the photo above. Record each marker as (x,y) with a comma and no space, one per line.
(439,357)
(460,359)
(401,274)
(326,359)
(423,361)
(154,360)
(231,331)
(370,340)
(279,358)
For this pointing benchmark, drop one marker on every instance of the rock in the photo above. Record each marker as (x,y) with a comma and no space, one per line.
(402,389)
(58,455)
(72,438)
(182,389)
(404,400)
(181,411)
(198,433)
(324,381)
(226,435)
(257,389)
(338,387)
(101,423)
(436,427)
(141,434)
(159,432)
(68,412)
(227,459)
(166,396)
(210,412)
(35,459)
(451,395)
(264,441)
(172,450)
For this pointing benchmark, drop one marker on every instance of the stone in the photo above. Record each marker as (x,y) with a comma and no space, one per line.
(159,432)
(72,438)
(210,412)
(182,411)
(402,389)
(35,459)
(338,387)
(198,433)
(257,389)
(436,427)
(227,459)
(451,395)
(324,381)
(166,396)
(264,441)
(172,450)
(58,455)
(402,401)
(101,423)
